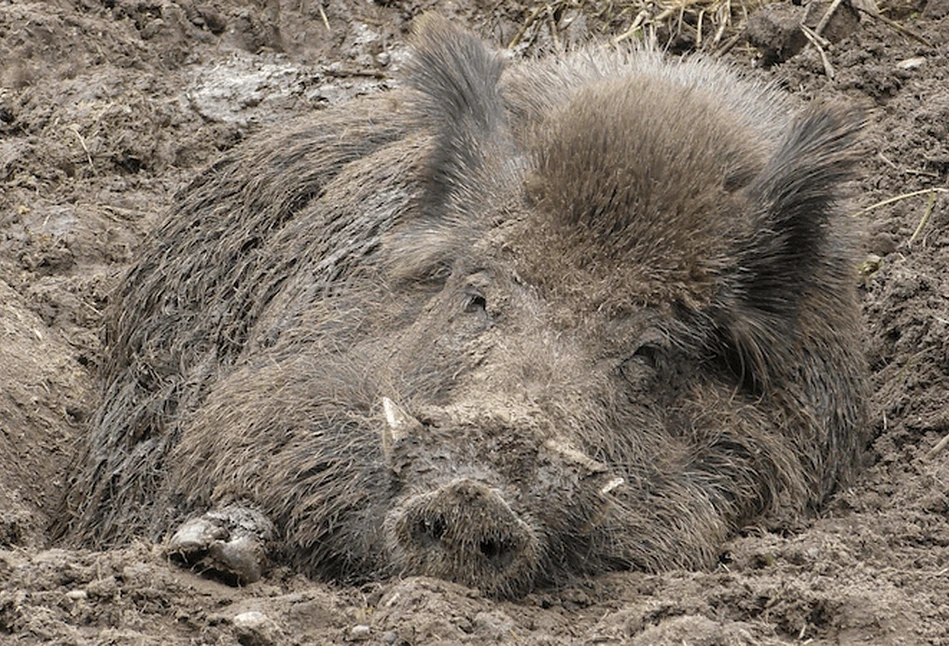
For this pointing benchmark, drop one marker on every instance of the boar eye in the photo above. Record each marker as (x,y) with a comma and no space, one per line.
(475,303)
(643,363)
(648,354)
(438,273)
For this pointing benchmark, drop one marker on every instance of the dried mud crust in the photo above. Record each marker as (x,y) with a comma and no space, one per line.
(107,106)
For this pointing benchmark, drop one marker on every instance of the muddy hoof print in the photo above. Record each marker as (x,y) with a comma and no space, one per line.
(228,544)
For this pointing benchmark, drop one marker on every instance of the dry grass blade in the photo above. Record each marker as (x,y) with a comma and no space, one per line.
(723,18)
(527,25)
(685,24)
(904,196)
(82,142)
(633,28)
(925,218)
(729,44)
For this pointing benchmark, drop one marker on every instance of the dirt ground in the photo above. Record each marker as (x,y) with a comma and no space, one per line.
(107,107)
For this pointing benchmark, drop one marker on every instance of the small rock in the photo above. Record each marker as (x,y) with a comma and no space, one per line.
(843,23)
(936,9)
(215,22)
(360,633)
(135,572)
(250,619)
(775,31)
(911,63)
(77,595)
(493,626)
(254,628)
(104,588)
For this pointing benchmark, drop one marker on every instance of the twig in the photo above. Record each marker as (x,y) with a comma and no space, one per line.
(939,448)
(665,13)
(326,22)
(814,37)
(815,41)
(698,29)
(82,142)
(819,29)
(344,73)
(731,42)
(895,25)
(527,23)
(910,363)
(924,173)
(633,28)
(887,161)
(552,26)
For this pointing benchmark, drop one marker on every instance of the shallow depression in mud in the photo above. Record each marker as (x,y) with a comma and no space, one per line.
(108,108)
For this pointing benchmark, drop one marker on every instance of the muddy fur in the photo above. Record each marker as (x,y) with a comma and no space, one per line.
(613,293)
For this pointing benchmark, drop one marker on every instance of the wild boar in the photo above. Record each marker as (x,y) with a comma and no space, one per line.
(507,325)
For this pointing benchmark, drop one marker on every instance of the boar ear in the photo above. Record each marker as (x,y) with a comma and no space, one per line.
(797,197)
(801,242)
(456,78)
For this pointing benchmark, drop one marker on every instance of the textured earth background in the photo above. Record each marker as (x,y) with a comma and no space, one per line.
(107,107)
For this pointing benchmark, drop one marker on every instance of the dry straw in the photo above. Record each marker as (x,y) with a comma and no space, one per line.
(709,25)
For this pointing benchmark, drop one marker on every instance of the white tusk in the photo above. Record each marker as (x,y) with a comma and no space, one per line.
(574,456)
(611,485)
(399,424)
(395,416)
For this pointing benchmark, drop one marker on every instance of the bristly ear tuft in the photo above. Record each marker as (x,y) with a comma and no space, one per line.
(456,74)
(456,78)
(801,243)
(797,196)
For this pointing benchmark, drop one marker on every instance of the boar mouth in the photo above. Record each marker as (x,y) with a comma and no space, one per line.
(464,532)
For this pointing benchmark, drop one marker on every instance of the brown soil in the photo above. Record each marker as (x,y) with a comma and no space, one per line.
(108,106)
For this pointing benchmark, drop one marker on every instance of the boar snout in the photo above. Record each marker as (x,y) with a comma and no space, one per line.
(464,531)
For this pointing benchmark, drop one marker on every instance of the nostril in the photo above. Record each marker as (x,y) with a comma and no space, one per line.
(428,530)
(499,553)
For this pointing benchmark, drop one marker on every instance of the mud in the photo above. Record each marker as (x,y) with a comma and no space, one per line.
(108,106)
